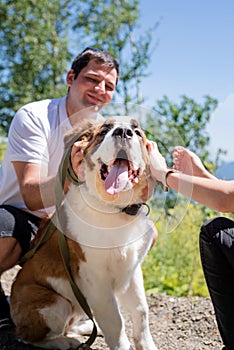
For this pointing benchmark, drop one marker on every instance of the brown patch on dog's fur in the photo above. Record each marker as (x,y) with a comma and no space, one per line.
(35,281)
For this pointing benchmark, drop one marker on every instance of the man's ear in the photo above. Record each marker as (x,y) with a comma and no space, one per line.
(70,77)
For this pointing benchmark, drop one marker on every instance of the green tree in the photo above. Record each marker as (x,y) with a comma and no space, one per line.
(113,25)
(183,124)
(34,53)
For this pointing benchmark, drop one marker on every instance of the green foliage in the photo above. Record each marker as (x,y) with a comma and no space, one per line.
(3,144)
(173,264)
(2,150)
(181,124)
(190,119)
(35,49)
(33,39)
(116,33)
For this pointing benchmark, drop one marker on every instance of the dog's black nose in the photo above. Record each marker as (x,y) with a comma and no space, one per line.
(123,133)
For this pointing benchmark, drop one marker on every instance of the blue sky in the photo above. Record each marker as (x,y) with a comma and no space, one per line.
(194,56)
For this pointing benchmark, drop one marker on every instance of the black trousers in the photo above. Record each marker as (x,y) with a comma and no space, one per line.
(217,256)
(19,224)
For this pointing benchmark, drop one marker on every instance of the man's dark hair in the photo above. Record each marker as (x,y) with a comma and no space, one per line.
(89,54)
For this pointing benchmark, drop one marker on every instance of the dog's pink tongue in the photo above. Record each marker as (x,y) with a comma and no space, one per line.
(117,177)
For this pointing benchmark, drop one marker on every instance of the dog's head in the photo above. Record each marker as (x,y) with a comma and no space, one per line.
(116,161)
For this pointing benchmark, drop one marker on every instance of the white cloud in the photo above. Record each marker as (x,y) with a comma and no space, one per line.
(221,128)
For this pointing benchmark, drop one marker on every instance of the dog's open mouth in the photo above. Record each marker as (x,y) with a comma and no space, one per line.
(119,174)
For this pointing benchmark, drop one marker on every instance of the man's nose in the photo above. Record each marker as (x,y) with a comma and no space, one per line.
(100,87)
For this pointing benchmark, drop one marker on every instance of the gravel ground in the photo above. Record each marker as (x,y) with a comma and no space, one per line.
(176,324)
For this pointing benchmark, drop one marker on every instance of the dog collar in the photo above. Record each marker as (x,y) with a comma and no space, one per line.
(134,208)
(71,174)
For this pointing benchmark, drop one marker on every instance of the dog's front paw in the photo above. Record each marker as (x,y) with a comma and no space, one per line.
(150,345)
(61,342)
(84,327)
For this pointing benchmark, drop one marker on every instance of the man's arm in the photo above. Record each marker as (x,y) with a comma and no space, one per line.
(37,192)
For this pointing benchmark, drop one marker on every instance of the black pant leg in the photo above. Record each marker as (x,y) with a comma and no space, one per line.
(217,257)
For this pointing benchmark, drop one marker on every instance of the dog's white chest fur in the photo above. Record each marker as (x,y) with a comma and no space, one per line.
(114,243)
(94,223)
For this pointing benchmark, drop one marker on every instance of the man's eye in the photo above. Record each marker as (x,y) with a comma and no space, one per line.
(92,80)
(109,87)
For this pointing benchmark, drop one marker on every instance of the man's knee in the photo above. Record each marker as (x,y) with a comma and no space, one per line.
(10,252)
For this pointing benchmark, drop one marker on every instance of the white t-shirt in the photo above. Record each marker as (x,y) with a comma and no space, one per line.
(36,135)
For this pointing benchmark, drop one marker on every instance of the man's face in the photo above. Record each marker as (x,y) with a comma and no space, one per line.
(94,85)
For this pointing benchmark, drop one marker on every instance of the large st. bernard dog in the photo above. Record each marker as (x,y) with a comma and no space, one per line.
(108,235)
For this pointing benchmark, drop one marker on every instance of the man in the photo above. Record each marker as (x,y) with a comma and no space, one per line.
(216,236)
(34,151)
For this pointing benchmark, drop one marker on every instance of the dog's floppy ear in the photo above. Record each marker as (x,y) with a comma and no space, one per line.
(83,133)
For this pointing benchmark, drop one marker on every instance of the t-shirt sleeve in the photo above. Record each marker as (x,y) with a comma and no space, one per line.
(28,138)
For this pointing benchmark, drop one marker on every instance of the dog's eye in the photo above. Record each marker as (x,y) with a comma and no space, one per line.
(104,131)
(138,132)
